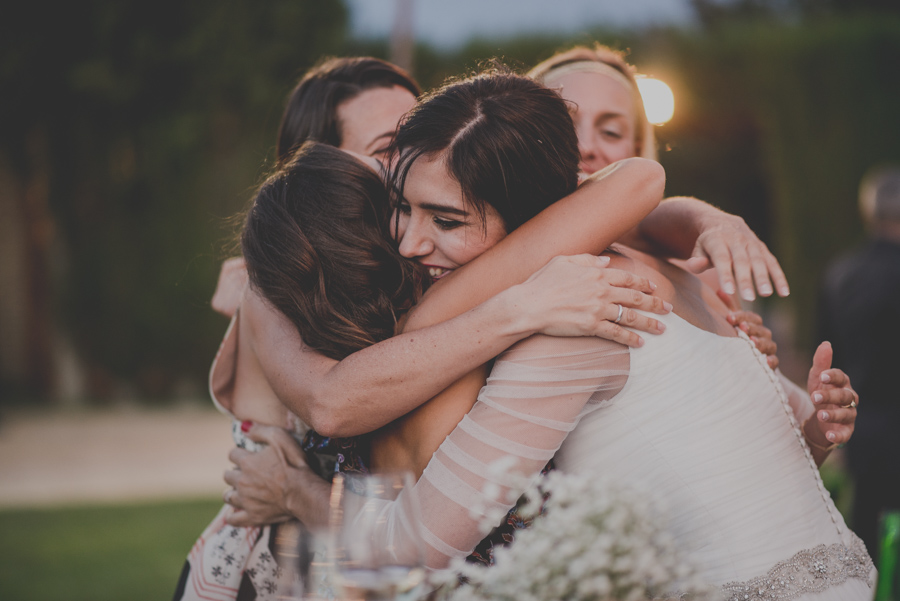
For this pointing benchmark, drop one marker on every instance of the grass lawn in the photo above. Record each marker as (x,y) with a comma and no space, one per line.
(98,553)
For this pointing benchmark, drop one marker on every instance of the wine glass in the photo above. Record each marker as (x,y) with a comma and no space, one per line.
(377,549)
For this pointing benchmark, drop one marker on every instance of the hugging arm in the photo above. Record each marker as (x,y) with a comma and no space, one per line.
(537,392)
(374,386)
(600,211)
(687,228)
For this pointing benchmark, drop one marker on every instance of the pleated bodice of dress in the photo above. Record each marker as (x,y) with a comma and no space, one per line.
(704,425)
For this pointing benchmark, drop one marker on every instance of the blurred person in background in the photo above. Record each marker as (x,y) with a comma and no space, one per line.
(860,313)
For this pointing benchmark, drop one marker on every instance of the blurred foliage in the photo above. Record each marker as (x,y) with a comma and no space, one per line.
(149,123)
(99,553)
(797,114)
(781,107)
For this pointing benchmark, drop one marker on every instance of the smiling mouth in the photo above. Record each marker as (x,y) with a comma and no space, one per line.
(437,273)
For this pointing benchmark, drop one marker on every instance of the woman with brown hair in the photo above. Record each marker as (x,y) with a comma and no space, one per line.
(352,103)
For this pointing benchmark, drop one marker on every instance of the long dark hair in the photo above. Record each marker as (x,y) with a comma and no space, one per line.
(506,139)
(317,248)
(311,110)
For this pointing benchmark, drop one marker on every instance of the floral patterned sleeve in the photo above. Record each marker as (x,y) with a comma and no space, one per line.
(535,395)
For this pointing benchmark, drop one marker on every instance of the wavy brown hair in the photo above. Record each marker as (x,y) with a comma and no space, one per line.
(317,248)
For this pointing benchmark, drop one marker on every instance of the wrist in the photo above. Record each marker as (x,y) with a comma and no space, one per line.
(511,315)
(815,438)
(306,497)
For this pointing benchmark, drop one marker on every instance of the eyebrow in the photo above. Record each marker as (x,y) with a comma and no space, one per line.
(610,115)
(439,208)
(379,139)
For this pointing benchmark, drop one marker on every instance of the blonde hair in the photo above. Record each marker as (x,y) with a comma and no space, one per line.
(644,139)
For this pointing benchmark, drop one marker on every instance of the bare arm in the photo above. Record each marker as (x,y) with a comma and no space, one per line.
(603,209)
(376,385)
(504,424)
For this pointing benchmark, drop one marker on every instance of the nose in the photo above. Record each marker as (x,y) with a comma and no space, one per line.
(591,150)
(414,243)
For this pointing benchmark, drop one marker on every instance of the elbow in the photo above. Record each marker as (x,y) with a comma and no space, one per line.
(650,178)
(328,428)
(323,420)
(329,421)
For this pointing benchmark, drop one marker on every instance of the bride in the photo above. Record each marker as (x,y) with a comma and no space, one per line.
(737,464)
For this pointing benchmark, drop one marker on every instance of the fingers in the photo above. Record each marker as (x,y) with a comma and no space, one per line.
(278,438)
(231,478)
(616,333)
(742,261)
(633,291)
(238,455)
(731,303)
(626,279)
(632,319)
(837,424)
(741,265)
(773,361)
(766,346)
(835,377)
(838,415)
(736,318)
(588,260)
(777,274)
(281,440)
(760,271)
(720,256)
(839,397)
(698,264)
(239,518)
(821,361)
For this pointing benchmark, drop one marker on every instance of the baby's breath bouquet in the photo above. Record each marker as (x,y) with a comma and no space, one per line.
(593,541)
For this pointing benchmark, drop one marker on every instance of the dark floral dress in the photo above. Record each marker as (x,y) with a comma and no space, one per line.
(350,455)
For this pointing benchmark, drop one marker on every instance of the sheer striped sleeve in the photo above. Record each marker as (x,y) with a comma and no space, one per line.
(535,395)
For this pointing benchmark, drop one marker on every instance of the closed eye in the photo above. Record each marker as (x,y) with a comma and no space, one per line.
(447,224)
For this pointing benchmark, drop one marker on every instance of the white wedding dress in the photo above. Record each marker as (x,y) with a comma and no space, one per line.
(704,424)
(695,419)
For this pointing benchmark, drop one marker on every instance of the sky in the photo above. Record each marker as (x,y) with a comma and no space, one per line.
(448,24)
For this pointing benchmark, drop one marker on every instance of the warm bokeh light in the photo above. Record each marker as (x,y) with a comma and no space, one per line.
(659,102)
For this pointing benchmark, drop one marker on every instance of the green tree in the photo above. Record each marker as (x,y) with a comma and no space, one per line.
(133,128)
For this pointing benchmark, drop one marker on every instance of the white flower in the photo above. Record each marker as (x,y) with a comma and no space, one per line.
(595,541)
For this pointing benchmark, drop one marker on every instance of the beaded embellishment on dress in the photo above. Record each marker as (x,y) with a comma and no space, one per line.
(809,571)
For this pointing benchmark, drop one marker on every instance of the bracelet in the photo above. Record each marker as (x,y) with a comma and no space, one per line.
(818,447)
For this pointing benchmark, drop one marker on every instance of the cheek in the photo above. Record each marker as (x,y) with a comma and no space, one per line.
(621,149)
(470,244)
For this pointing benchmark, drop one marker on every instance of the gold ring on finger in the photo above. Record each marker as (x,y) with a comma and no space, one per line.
(853,405)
